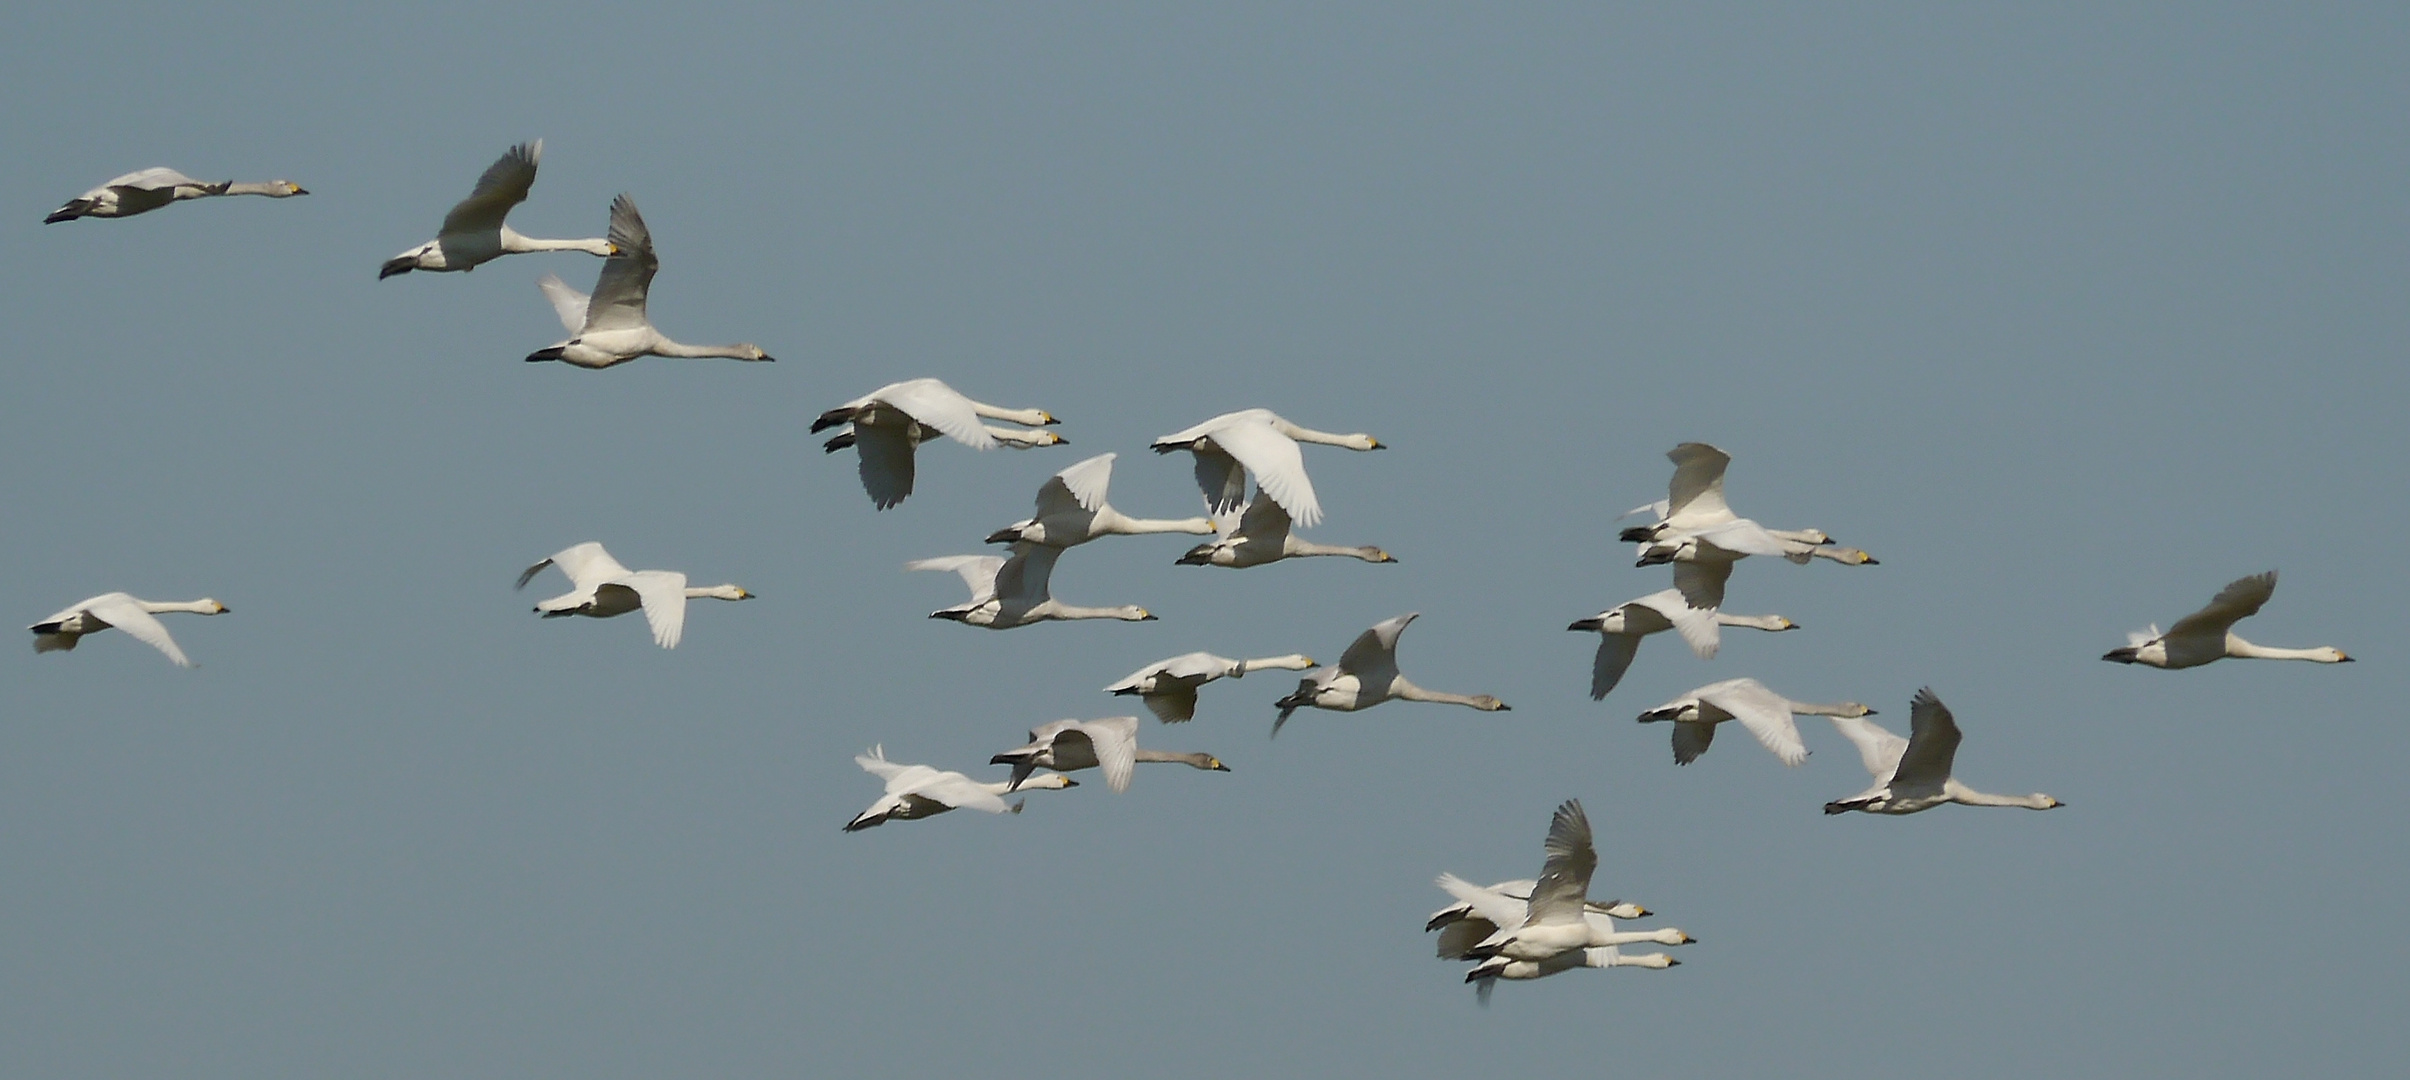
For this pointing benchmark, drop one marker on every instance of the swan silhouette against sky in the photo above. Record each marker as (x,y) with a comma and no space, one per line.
(1072,510)
(1913,774)
(1169,687)
(473,233)
(1231,445)
(611,327)
(2208,634)
(601,588)
(1010,592)
(888,422)
(149,189)
(1367,675)
(61,631)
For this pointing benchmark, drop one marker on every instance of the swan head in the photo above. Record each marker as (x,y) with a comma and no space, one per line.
(212,607)
(753,354)
(1852,709)
(1134,613)
(1377,555)
(1486,703)
(1781,623)
(285,189)
(1215,764)
(728,592)
(2045,802)
(1055,781)
(2328,654)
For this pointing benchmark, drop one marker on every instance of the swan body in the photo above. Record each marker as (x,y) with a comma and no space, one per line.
(1262,535)
(918,791)
(1231,445)
(889,421)
(1072,510)
(149,189)
(1765,713)
(1620,629)
(603,588)
(1169,687)
(473,233)
(61,631)
(1367,675)
(611,327)
(1010,592)
(1913,774)
(1110,744)
(2208,634)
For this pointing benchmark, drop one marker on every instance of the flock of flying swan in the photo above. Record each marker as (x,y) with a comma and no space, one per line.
(1513,930)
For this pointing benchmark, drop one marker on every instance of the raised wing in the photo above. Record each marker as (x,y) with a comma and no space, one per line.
(2234,603)
(1375,650)
(664,595)
(934,403)
(1615,653)
(1080,487)
(1278,466)
(618,302)
(125,613)
(1116,743)
(1765,713)
(587,565)
(1932,742)
(1697,627)
(567,303)
(1878,748)
(1697,490)
(503,186)
(1490,904)
(1565,874)
(978,571)
(876,764)
(1702,583)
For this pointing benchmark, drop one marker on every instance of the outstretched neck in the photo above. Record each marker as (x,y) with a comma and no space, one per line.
(275,189)
(741,351)
(1845,709)
(2323,654)
(717,592)
(196,607)
(1368,553)
(1125,614)
(1117,522)
(1399,687)
(1970,797)
(1291,662)
(515,242)
(1029,417)
(1755,622)
(1194,759)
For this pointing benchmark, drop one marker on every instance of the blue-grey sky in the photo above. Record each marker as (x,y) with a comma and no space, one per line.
(2071,317)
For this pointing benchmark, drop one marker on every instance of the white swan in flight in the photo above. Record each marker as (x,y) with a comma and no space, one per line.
(1262,535)
(1485,974)
(1621,627)
(1694,507)
(1740,538)
(918,791)
(2208,634)
(611,326)
(61,631)
(1010,592)
(1558,917)
(149,189)
(473,233)
(889,421)
(1169,687)
(603,588)
(1913,774)
(1110,744)
(1367,675)
(1072,510)
(1765,713)
(1481,911)
(1231,445)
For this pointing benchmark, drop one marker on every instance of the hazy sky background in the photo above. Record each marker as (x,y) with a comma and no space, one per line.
(2069,317)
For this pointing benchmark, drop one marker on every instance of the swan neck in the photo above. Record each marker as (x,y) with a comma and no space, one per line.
(253,187)
(666,347)
(1399,687)
(1970,797)
(1122,523)
(1198,759)
(196,607)
(2237,647)
(1754,622)
(518,243)
(1292,662)
(1027,417)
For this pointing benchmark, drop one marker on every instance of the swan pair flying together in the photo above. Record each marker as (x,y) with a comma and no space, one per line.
(1534,929)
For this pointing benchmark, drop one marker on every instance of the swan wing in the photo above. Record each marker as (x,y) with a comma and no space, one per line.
(568,303)
(156,178)
(1115,740)
(1878,748)
(1697,490)
(618,302)
(1765,713)
(1199,666)
(1932,742)
(1278,466)
(587,565)
(1746,537)
(1375,650)
(125,613)
(1692,740)
(2237,601)
(1080,487)
(1023,577)
(1564,882)
(1265,521)
(1697,626)
(978,571)
(1173,704)
(1615,653)
(663,593)
(503,186)
(1487,903)
(1657,509)
(885,463)
(958,791)
(876,764)
(1222,479)
(934,403)
(1702,583)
